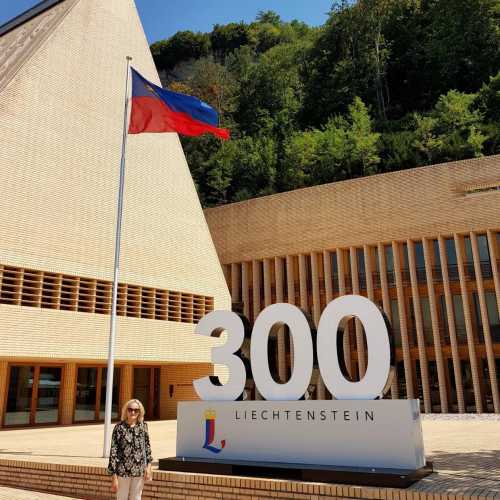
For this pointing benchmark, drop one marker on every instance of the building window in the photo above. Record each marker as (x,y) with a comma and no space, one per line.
(427,320)
(451,254)
(453,399)
(91,394)
(389,262)
(335,272)
(451,257)
(420,262)
(308,272)
(444,327)
(33,395)
(396,329)
(405,264)
(285,279)
(481,189)
(49,386)
(437,256)
(469,259)
(458,311)
(493,317)
(147,389)
(86,390)
(484,256)
(20,395)
(468,386)
(360,257)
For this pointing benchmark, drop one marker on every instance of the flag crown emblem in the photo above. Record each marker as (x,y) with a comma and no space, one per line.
(148,87)
(210,414)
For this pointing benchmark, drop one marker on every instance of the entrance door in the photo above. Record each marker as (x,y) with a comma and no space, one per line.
(33,396)
(147,390)
(91,394)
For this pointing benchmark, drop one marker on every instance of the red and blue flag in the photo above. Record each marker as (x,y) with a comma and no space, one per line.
(155,109)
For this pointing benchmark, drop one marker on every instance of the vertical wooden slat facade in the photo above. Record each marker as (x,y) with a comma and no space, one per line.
(450,318)
(436,334)
(408,366)
(422,353)
(340,253)
(422,243)
(490,355)
(280,297)
(459,249)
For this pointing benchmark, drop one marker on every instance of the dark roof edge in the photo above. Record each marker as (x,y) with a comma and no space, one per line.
(28,15)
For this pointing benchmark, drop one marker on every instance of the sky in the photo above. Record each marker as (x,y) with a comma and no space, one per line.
(162,18)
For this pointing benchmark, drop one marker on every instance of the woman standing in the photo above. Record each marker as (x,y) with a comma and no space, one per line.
(130,457)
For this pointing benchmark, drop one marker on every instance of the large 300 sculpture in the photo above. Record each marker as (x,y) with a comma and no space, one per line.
(371,386)
(352,430)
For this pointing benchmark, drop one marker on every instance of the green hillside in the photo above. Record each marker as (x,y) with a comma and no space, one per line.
(383,85)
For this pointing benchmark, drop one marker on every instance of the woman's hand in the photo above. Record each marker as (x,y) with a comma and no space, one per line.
(114,484)
(148,475)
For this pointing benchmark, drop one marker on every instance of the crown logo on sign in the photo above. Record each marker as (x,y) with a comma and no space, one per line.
(210,414)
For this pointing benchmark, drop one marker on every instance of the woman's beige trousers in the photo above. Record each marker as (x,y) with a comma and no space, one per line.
(130,488)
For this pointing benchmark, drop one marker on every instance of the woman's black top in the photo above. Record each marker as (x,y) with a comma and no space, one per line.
(130,450)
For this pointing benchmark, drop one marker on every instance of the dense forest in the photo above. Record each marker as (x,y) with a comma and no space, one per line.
(383,85)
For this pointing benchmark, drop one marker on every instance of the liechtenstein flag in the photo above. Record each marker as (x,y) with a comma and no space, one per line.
(159,110)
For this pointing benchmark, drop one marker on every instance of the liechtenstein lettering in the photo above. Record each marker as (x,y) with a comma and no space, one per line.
(309,415)
(351,430)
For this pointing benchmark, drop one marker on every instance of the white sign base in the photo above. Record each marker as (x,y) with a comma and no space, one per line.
(373,433)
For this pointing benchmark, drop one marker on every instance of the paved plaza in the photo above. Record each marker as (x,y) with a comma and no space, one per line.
(14,494)
(465,451)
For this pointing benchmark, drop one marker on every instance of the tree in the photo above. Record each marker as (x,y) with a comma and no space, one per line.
(214,84)
(182,46)
(363,141)
(270,92)
(226,39)
(383,85)
(461,44)
(241,169)
(348,59)
(347,147)
(488,104)
(268,17)
(452,131)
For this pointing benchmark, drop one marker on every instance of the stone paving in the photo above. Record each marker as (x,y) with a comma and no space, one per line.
(465,450)
(13,494)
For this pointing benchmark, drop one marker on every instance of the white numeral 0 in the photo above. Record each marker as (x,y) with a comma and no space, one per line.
(379,351)
(277,314)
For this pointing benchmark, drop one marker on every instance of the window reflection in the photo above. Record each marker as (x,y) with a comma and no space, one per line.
(19,396)
(49,385)
(86,390)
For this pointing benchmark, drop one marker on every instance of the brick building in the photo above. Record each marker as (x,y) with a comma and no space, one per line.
(423,243)
(62,87)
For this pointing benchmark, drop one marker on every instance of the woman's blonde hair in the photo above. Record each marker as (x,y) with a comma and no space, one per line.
(140,418)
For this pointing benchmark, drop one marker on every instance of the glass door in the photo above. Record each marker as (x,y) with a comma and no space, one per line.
(18,411)
(90,399)
(33,395)
(48,389)
(147,390)
(86,395)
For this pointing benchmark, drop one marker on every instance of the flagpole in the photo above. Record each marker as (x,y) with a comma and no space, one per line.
(112,328)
